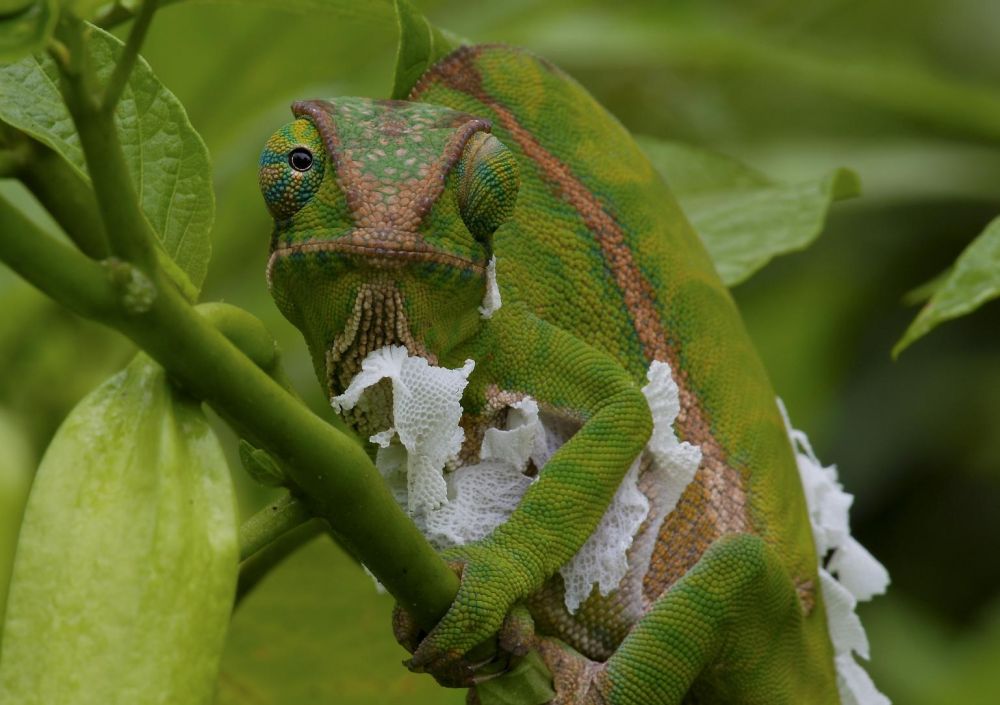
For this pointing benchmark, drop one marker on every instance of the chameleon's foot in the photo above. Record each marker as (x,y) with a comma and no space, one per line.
(451,667)
(574,675)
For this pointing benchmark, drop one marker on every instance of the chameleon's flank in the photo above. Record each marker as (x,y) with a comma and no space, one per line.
(500,292)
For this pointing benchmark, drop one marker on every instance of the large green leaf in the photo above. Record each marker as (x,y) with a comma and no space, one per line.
(167,159)
(127,559)
(745,218)
(314,632)
(972,281)
(25,26)
(15,479)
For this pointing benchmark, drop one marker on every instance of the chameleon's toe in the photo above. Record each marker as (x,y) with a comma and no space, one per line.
(458,651)
(517,635)
(406,630)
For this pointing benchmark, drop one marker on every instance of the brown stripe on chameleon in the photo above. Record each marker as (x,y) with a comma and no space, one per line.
(715,502)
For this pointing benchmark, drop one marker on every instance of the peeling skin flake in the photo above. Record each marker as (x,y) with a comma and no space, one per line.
(852,573)
(426,409)
(466,505)
(484,495)
(491,300)
(677,461)
(603,558)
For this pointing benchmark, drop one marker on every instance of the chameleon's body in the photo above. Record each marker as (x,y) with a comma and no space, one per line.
(600,275)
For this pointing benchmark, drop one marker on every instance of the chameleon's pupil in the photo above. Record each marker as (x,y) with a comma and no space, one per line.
(300,159)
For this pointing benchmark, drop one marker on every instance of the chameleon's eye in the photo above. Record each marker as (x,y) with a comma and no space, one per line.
(488,182)
(300,159)
(290,169)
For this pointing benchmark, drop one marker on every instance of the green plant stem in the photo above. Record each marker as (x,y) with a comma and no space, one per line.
(270,523)
(66,196)
(245,331)
(263,561)
(337,477)
(129,233)
(119,14)
(130,53)
(66,275)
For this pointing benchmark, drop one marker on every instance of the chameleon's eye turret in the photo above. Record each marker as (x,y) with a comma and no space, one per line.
(290,170)
(488,182)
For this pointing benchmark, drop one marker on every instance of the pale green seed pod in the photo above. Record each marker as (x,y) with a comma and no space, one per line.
(126,565)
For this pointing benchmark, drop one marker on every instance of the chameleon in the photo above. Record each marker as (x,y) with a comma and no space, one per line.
(502,223)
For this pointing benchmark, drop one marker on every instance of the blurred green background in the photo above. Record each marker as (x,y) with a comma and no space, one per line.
(907,94)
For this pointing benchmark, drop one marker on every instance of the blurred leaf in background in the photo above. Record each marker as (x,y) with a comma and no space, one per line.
(906,97)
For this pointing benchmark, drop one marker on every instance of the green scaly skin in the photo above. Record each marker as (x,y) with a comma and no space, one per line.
(384,239)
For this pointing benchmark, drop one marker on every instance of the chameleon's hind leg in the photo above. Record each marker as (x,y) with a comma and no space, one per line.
(730,631)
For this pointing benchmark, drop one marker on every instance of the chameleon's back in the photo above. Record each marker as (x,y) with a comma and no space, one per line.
(600,247)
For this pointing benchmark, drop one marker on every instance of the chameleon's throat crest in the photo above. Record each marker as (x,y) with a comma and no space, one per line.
(378,319)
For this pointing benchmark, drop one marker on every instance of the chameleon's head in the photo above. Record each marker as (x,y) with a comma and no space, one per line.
(383,205)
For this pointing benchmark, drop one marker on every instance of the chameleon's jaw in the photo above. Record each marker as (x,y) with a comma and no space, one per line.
(376,251)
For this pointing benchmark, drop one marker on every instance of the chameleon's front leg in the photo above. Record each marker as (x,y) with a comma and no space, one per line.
(520,353)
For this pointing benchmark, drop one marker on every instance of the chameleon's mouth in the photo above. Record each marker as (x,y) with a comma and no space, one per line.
(378,251)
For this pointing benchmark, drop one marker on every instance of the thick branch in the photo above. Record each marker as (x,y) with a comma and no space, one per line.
(66,196)
(78,283)
(337,477)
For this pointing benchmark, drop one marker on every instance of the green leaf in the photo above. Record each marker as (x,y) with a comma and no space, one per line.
(971,282)
(745,218)
(421,45)
(527,683)
(167,159)
(315,631)
(25,27)
(126,565)
(261,465)
(16,468)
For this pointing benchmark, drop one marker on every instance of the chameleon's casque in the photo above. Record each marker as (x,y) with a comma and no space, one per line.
(387,214)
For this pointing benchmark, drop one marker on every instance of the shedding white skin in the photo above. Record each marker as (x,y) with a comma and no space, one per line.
(491,299)
(467,504)
(603,559)
(426,408)
(851,575)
